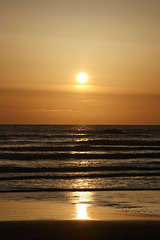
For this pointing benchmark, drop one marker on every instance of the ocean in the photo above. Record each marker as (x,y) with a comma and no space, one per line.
(55,161)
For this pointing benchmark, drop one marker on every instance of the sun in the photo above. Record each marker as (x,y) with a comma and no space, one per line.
(82,77)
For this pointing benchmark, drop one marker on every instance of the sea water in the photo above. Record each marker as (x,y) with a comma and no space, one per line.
(63,163)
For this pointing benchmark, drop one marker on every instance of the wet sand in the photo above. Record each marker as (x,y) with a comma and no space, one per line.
(76,229)
(37,220)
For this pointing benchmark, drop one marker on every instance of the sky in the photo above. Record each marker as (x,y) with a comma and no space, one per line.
(44,44)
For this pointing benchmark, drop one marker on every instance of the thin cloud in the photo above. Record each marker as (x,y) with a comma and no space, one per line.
(88,100)
(48,110)
(55,110)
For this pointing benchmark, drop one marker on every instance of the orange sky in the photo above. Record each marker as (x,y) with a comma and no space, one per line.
(45,44)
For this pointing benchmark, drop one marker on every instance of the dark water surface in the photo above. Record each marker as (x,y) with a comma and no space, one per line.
(79,158)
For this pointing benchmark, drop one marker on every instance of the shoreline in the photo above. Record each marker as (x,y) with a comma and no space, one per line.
(23,210)
(46,217)
(80,205)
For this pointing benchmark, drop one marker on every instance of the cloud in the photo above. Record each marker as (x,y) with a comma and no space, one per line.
(88,100)
(48,110)
(69,110)
(55,110)
(89,92)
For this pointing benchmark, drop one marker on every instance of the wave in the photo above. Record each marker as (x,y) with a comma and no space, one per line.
(86,176)
(77,169)
(37,137)
(77,156)
(88,143)
(123,142)
(78,190)
(76,148)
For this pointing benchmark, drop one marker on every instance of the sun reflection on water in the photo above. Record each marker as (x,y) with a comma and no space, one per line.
(83,201)
(82,211)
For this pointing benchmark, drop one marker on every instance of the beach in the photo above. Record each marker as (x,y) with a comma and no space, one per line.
(79,182)
(122,230)
(37,220)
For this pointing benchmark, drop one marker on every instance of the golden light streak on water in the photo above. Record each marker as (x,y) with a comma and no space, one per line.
(82,211)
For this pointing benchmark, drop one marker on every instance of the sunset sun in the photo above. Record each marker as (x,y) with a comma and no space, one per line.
(79,119)
(82,77)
